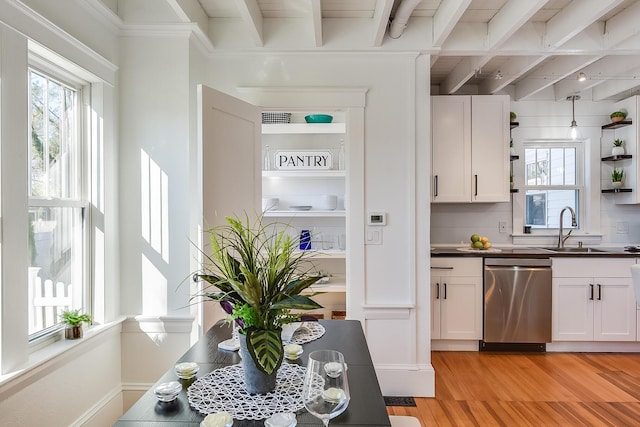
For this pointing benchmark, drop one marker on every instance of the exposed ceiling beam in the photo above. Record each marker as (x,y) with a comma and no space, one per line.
(554,70)
(614,87)
(316,21)
(511,70)
(513,15)
(596,73)
(622,26)
(381,17)
(574,18)
(446,18)
(252,18)
(466,69)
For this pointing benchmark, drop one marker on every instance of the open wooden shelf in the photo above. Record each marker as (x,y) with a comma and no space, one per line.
(617,190)
(616,125)
(616,158)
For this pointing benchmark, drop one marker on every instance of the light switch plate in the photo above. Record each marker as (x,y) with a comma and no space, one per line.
(373,236)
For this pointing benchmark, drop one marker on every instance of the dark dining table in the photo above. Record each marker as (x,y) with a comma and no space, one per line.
(366,407)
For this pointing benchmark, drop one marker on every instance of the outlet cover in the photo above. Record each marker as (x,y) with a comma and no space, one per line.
(502,226)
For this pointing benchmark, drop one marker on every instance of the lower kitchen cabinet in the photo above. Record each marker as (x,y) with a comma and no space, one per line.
(456,298)
(593,300)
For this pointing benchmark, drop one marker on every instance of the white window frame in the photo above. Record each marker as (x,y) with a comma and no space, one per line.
(519,210)
(83,89)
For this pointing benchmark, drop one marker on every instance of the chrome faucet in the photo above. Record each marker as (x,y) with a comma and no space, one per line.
(561,238)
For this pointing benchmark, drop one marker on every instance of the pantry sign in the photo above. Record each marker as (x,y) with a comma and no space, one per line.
(303,160)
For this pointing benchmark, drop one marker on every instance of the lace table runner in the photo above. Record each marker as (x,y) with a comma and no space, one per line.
(307,332)
(223,390)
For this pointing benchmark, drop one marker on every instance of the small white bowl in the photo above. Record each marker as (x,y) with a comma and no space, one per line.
(292,351)
(167,392)
(187,370)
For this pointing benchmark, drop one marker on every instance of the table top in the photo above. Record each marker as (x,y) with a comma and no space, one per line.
(366,407)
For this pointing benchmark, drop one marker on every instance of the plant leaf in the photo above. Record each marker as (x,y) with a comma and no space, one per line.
(265,347)
(297,302)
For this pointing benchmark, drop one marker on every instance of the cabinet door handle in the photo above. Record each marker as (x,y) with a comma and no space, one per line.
(435,190)
(445,291)
(437,290)
(599,292)
(591,291)
(476,190)
(441,268)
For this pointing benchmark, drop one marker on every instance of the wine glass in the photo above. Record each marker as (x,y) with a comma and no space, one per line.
(325,391)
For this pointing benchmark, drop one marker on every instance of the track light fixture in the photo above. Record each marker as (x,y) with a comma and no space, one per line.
(574,125)
(582,77)
(498,75)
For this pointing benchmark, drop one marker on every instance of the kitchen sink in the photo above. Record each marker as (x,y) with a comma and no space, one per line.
(574,250)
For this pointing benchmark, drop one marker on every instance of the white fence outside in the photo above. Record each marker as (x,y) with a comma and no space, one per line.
(47,301)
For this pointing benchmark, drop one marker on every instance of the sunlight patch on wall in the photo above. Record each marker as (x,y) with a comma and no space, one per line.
(154,289)
(154,197)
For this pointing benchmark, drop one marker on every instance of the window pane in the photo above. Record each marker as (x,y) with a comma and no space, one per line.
(54,154)
(55,269)
(38,136)
(543,207)
(570,166)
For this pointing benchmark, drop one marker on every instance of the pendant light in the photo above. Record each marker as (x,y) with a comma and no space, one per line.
(574,125)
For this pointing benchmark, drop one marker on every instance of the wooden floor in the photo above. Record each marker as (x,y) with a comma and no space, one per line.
(529,389)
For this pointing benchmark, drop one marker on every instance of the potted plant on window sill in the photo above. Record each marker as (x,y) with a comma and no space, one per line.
(616,177)
(73,320)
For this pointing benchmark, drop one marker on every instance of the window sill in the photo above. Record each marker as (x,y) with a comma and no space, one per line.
(57,352)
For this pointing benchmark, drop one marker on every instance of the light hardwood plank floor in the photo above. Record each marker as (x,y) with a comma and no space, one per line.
(531,389)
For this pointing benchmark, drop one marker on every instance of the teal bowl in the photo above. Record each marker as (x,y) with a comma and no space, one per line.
(318,118)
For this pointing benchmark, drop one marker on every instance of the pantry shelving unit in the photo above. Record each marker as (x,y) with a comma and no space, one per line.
(308,187)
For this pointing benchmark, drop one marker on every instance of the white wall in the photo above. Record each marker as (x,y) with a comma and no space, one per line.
(543,119)
(392,287)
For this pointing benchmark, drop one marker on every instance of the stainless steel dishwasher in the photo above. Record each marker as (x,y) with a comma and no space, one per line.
(517,304)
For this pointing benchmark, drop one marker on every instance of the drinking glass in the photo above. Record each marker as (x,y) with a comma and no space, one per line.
(325,391)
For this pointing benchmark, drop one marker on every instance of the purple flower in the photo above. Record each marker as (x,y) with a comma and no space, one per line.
(226,306)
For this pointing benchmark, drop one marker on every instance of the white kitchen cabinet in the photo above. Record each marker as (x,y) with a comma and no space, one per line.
(456,298)
(470,148)
(593,300)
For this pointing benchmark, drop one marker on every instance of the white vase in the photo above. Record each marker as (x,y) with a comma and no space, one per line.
(617,151)
(617,184)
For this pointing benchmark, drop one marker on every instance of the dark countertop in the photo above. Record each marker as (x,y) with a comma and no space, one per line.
(531,252)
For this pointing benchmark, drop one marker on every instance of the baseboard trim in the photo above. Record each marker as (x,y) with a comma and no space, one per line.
(95,411)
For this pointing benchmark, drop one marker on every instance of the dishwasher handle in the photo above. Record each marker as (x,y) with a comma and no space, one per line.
(517,262)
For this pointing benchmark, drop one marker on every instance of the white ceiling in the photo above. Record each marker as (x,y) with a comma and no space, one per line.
(534,45)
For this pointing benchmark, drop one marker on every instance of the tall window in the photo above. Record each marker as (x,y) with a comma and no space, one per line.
(57,204)
(553,180)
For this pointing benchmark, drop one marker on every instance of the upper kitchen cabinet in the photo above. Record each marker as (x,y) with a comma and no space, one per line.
(628,132)
(470,149)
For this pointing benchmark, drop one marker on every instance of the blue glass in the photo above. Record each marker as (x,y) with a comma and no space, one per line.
(305,240)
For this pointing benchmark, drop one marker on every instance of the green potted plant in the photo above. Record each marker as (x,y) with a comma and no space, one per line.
(618,116)
(616,177)
(512,116)
(73,320)
(618,149)
(257,275)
